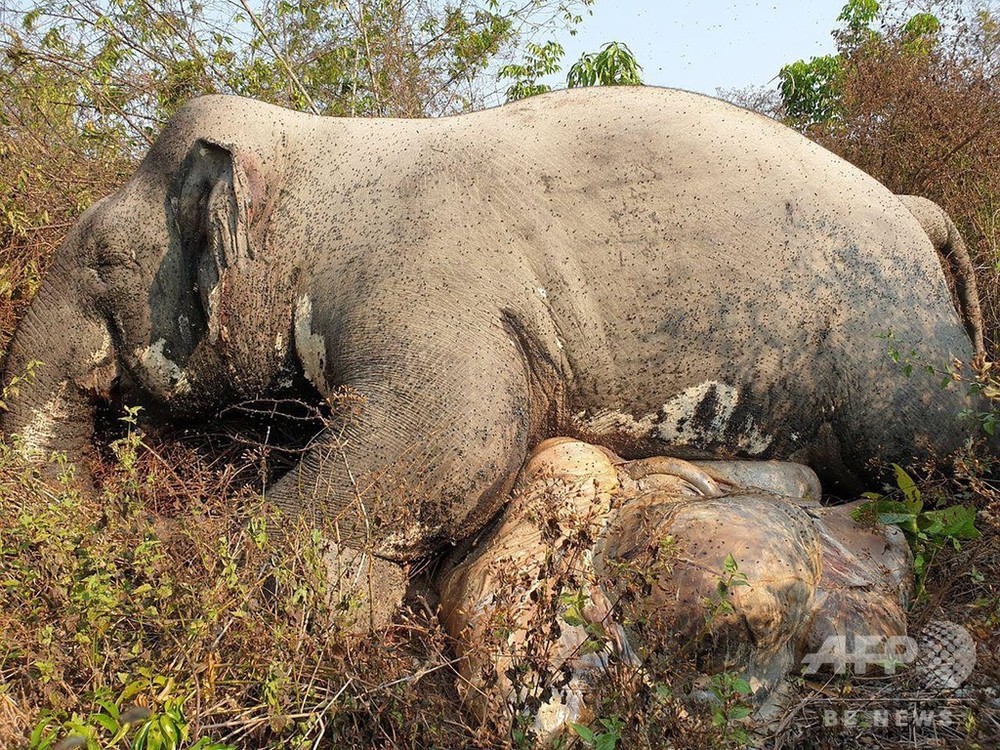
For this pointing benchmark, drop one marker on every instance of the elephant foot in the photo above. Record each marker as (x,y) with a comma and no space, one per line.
(599,562)
(366,590)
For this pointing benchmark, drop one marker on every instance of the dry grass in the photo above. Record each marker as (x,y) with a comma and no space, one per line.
(963,586)
(167,589)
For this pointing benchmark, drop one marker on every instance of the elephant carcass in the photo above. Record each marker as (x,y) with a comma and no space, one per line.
(648,269)
(733,580)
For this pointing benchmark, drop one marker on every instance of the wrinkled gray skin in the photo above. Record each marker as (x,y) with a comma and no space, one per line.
(653,270)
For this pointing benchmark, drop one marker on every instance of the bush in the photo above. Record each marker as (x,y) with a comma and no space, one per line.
(157,602)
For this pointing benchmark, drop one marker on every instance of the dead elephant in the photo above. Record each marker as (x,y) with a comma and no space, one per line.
(648,269)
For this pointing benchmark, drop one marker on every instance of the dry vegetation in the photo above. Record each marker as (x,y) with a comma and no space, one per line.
(933,130)
(158,599)
(158,596)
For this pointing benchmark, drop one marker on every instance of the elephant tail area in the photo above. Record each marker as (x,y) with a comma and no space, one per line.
(955,262)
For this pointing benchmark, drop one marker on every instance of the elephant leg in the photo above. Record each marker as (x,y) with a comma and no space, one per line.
(425,445)
(366,589)
(410,463)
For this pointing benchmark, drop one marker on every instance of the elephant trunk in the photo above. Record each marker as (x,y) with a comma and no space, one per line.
(60,358)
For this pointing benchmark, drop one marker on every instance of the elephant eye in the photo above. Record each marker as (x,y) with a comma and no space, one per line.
(108,255)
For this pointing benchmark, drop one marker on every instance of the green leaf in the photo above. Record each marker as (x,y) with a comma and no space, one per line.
(889,512)
(109,707)
(141,741)
(590,646)
(730,565)
(171,732)
(614,724)
(614,65)
(905,482)
(43,736)
(739,712)
(741,686)
(109,723)
(956,521)
(585,732)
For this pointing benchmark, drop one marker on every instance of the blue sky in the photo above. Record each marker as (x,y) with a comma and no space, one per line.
(703,45)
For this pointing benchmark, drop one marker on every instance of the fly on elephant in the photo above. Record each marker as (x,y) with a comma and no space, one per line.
(650,270)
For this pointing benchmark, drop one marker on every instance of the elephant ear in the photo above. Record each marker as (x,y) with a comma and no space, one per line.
(219,202)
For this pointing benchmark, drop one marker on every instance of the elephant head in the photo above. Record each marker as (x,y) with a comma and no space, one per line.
(167,282)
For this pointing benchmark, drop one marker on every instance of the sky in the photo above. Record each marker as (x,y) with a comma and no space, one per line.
(704,45)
